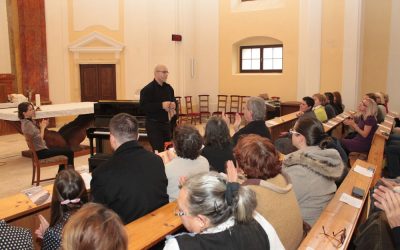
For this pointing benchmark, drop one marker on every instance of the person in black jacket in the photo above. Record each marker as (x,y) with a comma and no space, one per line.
(157,99)
(218,148)
(133,182)
(254,114)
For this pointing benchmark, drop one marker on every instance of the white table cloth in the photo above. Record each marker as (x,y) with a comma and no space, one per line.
(54,110)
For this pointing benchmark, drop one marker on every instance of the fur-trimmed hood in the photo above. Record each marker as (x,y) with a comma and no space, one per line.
(325,162)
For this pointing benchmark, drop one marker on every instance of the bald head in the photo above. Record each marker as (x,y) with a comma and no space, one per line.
(160,73)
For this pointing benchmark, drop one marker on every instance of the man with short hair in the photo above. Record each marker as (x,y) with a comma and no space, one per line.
(133,182)
(306,107)
(157,100)
(254,114)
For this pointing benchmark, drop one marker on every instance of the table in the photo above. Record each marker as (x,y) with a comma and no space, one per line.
(53,110)
(338,215)
(281,124)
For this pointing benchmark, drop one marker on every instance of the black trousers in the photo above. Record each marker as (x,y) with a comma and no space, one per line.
(158,133)
(47,153)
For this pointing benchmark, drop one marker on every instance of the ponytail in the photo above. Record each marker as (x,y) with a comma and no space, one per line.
(211,195)
(246,204)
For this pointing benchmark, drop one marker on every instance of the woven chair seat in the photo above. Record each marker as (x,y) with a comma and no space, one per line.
(53,159)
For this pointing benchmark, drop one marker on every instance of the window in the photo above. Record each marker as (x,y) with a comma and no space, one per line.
(261,59)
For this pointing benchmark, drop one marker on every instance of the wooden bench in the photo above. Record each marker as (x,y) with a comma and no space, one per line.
(284,123)
(338,215)
(376,152)
(335,124)
(152,228)
(281,124)
(19,210)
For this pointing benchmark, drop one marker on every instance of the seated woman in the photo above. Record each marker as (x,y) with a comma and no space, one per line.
(337,102)
(284,143)
(319,109)
(380,116)
(30,129)
(313,169)
(69,194)
(94,227)
(15,237)
(187,143)
(261,164)
(220,215)
(330,110)
(365,128)
(217,144)
(380,101)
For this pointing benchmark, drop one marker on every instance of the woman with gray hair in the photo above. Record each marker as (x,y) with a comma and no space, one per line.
(220,215)
(254,114)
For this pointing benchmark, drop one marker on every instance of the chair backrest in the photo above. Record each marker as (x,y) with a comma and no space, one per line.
(29,141)
(243,101)
(188,101)
(235,103)
(178,100)
(204,103)
(222,101)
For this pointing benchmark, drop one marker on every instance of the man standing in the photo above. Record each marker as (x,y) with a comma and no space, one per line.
(157,100)
(133,182)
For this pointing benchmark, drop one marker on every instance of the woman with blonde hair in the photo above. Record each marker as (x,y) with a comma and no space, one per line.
(319,109)
(94,227)
(365,127)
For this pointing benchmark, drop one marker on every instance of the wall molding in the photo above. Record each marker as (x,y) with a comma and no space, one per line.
(111,46)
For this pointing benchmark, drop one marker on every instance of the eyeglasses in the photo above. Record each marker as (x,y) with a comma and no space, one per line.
(338,237)
(179,212)
(294,132)
(164,72)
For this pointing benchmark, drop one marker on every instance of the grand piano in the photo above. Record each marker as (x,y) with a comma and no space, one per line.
(100,133)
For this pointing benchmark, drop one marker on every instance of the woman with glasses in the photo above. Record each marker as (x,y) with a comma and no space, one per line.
(313,168)
(220,215)
(365,127)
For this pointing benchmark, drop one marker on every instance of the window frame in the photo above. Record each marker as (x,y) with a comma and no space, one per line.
(261,70)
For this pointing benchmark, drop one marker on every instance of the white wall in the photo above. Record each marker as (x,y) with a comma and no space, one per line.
(57,52)
(393,79)
(5,62)
(148,29)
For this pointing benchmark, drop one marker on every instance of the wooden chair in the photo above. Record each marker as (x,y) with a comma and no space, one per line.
(40,163)
(181,116)
(204,106)
(221,105)
(234,107)
(189,110)
(243,102)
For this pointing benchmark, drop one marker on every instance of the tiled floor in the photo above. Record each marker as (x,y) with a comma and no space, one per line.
(16,170)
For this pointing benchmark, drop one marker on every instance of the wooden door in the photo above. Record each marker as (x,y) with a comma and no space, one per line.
(97,82)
